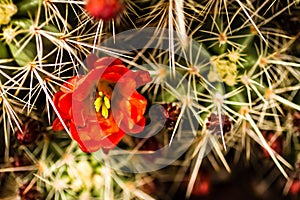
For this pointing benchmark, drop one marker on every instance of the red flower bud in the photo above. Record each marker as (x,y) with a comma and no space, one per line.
(172,111)
(295,187)
(31,130)
(213,124)
(202,185)
(296,122)
(104,9)
(29,193)
(276,145)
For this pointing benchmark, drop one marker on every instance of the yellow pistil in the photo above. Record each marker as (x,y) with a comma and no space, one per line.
(103,103)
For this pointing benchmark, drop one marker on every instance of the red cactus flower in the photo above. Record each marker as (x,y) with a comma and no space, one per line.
(104,9)
(100,107)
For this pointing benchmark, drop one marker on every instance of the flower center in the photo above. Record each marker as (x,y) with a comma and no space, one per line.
(102,103)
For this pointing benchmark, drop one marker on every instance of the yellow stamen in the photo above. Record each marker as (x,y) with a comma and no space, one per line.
(104,112)
(106,102)
(103,103)
(97,104)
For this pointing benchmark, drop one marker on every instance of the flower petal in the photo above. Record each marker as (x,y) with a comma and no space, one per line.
(142,78)
(119,69)
(90,60)
(107,61)
(126,87)
(111,77)
(56,97)
(138,127)
(112,140)
(90,140)
(57,125)
(62,102)
(87,85)
(69,86)
(138,106)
